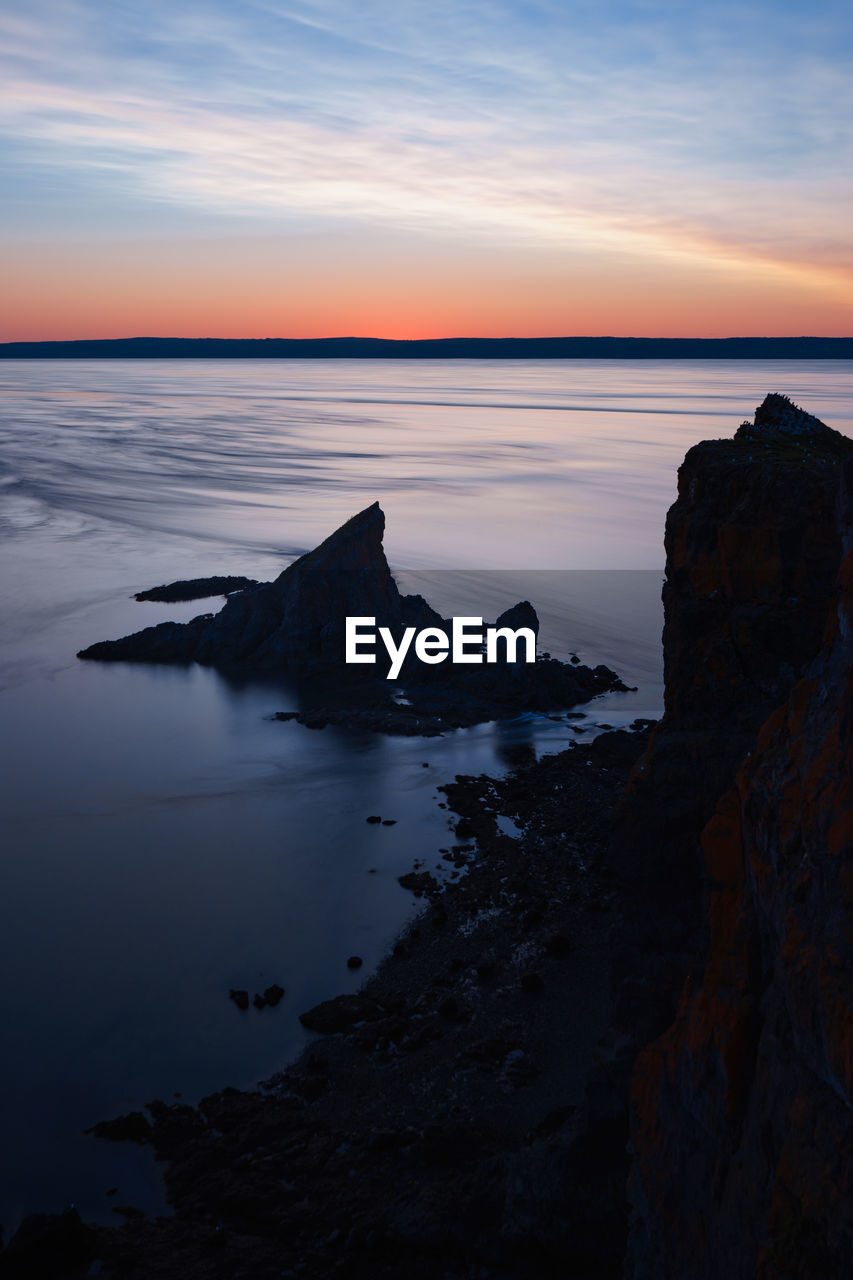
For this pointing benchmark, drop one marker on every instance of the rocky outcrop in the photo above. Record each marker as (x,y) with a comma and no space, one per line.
(196,588)
(296,625)
(753,550)
(742,1111)
(297,620)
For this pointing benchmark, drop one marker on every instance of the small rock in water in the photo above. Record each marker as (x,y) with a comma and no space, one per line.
(132,1127)
(389,822)
(273,995)
(374,818)
(259,1002)
(240,998)
(197,588)
(355,962)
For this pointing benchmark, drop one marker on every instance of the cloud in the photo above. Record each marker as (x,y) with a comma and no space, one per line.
(631,127)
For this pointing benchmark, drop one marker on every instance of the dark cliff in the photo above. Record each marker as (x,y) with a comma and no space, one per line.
(753,548)
(742,1110)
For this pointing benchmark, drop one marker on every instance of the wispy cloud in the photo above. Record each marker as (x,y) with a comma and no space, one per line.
(648,127)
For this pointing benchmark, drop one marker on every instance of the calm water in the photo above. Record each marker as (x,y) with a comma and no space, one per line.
(163,840)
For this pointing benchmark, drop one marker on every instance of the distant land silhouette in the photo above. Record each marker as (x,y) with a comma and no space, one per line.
(803,348)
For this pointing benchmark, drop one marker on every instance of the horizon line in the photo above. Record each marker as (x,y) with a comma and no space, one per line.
(545,337)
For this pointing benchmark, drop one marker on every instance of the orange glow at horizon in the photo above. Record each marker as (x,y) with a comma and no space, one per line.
(314,288)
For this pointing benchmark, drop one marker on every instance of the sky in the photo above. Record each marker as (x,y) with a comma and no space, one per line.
(261,168)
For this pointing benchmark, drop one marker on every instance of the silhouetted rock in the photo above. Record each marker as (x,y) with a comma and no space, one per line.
(742,1126)
(520,615)
(296,624)
(753,551)
(340,1014)
(132,1127)
(240,998)
(297,620)
(196,589)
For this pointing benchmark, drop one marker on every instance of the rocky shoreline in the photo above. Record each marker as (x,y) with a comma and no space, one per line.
(620,1042)
(409,1139)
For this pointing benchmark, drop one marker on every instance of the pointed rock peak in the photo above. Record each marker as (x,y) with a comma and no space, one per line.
(367,523)
(356,544)
(778,415)
(778,421)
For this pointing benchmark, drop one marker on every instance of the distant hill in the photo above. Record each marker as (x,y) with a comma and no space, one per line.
(436,348)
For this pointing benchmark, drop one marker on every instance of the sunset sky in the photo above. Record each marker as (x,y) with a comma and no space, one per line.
(252,168)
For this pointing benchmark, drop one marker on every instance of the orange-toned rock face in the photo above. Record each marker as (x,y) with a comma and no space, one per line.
(753,550)
(742,1123)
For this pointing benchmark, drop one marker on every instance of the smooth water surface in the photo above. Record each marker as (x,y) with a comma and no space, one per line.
(163,839)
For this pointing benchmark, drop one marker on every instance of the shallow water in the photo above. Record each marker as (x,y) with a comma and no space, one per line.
(163,839)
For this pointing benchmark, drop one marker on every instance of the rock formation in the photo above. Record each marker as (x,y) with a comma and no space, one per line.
(296,625)
(742,1125)
(297,620)
(196,589)
(753,550)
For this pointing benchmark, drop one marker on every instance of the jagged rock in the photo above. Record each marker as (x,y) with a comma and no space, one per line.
(340,1014)
(520,615)
(133,1127)
(753,551)
(777,418)
(196,589)
(297,624)
(296,620)
(741,1117)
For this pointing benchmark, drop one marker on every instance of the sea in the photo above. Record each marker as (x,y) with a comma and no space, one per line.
(163,838)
